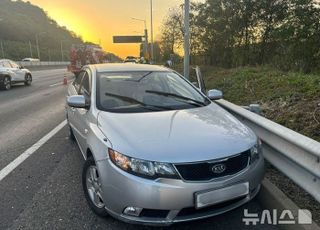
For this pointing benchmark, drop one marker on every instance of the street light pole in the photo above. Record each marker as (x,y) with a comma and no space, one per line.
(49,55)
(61,48)
(152,51)
(186,38)
(37,43)
(30,47)
(141,20)
(145,49)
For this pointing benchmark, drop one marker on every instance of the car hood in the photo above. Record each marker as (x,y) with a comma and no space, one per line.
(198,134)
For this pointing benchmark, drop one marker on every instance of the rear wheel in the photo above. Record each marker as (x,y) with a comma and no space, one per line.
(28,79)
(91,184)
(6,84)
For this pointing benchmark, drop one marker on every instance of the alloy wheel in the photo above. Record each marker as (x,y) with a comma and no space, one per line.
(28,80)
(94,186)
(7,83)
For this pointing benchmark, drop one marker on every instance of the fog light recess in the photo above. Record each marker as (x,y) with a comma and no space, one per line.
(132,211)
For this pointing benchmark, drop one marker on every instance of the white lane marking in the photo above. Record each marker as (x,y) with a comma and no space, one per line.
(44,74)
(50,70)
(59,83)
(14,164)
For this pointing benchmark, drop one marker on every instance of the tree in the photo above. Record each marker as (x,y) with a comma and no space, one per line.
(172,33)
(231,33)
(272,14)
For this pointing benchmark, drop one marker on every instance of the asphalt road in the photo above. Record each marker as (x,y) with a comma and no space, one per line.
(45,191)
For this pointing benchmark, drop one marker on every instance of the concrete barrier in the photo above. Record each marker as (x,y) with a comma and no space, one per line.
(36,65)
(42,63)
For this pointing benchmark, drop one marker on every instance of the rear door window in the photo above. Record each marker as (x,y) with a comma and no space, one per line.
(14,65)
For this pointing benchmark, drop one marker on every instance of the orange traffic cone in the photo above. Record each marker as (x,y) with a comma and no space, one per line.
(65,80)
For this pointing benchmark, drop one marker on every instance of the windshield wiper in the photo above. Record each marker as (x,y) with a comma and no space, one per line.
(130,99)
(195,102)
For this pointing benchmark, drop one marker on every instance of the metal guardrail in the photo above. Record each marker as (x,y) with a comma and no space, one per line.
(42,63)
(295,155)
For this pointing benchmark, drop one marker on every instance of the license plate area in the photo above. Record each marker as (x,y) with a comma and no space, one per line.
(207,198)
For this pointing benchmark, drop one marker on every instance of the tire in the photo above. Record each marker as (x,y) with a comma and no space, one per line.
(6,84)
(28,79)
(92,187)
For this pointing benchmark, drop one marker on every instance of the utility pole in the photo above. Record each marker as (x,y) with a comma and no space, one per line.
(2,49)
(61,48)
(186,39)
(152,51)
(30,47)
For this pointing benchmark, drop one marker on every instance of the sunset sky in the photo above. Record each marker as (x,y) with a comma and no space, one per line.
(99,20)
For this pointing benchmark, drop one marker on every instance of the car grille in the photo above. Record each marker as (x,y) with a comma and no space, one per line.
(202,171)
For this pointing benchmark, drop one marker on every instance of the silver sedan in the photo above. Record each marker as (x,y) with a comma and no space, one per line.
(159,151)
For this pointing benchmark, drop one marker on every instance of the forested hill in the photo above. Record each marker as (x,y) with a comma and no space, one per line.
(21,22)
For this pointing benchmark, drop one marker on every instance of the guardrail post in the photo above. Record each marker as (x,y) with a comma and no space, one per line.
(255,108)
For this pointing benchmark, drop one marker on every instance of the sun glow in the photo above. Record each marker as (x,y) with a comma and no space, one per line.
(98,20)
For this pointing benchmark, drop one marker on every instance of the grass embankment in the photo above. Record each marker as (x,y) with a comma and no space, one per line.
(290,99)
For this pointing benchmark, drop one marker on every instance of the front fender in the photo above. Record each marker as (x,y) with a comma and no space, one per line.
(98,143)
(26,71)
(2,75)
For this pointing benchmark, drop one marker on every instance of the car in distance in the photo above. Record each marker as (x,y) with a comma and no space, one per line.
(158,151)
(12,73)
(30,60)
(131,59)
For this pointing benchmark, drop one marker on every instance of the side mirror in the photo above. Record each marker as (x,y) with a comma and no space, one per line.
(78,101)
(215,94)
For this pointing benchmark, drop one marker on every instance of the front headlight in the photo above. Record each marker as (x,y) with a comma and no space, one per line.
(142,168)
(255,151)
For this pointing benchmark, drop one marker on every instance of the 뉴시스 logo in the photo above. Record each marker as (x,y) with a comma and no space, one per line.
(285,217)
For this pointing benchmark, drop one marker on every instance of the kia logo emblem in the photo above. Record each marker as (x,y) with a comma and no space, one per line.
(218,168)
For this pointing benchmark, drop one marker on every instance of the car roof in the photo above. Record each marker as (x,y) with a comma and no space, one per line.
(124,67)
(4,60)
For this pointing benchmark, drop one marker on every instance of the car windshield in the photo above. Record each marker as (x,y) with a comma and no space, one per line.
(146,91)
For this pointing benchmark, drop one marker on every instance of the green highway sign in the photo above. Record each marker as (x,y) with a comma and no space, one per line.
(127,39)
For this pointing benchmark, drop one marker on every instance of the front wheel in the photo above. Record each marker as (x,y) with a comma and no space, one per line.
(28,79)
(6,83)
(91,184)
(71,134)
